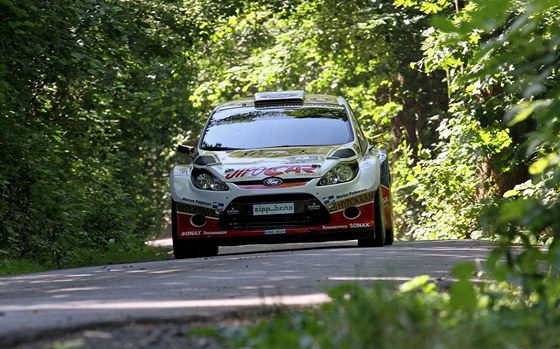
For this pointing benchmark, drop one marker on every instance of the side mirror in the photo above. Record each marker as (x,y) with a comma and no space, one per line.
(185,149)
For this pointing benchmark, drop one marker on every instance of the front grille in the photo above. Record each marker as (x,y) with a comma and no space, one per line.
(308,211)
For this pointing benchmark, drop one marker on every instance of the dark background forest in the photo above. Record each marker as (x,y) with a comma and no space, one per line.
(95,95)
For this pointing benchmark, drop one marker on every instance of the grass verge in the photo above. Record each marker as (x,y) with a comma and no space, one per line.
(414,315)
(20,266)
(84,257)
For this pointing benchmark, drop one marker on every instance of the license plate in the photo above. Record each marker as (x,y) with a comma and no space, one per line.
(269,209)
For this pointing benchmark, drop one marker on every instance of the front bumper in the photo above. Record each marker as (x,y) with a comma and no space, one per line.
(310,221)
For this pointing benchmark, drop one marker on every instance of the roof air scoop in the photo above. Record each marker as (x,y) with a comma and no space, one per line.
(272,99)
(343,154)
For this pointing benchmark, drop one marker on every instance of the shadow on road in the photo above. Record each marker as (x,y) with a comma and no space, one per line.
(245,276)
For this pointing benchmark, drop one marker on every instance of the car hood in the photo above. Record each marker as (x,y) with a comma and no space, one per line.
(287,163)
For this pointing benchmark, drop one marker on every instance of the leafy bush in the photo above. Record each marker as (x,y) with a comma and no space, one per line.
(414,314)
(528,211)
(92,97)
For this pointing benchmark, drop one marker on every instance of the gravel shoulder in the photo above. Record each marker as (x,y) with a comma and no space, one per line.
(142,334)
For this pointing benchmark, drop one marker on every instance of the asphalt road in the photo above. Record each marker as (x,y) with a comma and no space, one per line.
(240,277)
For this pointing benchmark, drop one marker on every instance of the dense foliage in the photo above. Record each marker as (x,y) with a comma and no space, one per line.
(94,95)
(90,94)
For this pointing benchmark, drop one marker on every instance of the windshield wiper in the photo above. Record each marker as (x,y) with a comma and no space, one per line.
(219,148)
(287,146)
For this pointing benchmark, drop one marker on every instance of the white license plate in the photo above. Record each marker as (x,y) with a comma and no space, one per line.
(268,209)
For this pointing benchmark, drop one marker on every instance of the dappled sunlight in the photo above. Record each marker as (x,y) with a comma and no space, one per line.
(305,299)
(370,278)
(74,289)
(289,275)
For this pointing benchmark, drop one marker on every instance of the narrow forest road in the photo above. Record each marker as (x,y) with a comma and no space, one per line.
(240,277)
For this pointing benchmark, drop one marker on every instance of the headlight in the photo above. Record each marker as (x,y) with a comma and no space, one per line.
(207,181)
(341,173)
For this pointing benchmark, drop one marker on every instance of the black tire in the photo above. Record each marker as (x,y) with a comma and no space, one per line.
(389,235)
(386,182)
(378,238)
(188,249)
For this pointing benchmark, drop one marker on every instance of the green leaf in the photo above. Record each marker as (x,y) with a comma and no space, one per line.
(428,7)
(443,24)
(463,295)
(539,166)
(463,271)
(511,193)
(520,113)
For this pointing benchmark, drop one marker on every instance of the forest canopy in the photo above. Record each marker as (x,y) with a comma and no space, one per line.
(95,95)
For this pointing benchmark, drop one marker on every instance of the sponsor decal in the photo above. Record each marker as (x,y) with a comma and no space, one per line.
(260,96)
(262,186)
(386,200)
(233,211)
(191,233)
(334,227)
(275,232)
(281,153)
(303,159)
(382,157)
(328,200)
(360,225)
(275,171)
(218,206)
(313,207)
(323,100)
(367,163)
(353,201)
(352,193)
(269,209)
(180,171)
(197,202)
(388,206)
(192,209)
(215,232)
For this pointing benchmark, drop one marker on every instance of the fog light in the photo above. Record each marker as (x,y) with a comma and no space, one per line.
(198,220)
(352,212)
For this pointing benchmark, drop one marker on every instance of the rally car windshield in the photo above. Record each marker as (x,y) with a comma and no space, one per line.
(251,129)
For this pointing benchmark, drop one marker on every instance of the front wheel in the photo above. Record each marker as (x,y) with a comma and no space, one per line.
(188,249)
(378,238)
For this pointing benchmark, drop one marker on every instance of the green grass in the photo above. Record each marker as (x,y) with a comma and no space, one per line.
(20,266)
(84,257)
(115,254)
(415,315)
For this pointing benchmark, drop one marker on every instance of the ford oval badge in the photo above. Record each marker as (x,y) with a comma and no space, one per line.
(272,181)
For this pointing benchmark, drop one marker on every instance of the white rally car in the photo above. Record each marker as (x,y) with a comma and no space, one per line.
(280,167)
